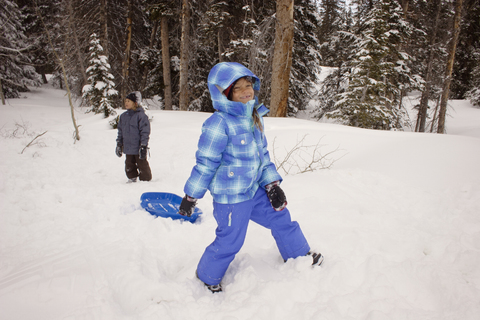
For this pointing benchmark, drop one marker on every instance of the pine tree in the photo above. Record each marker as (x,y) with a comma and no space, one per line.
(100,91)
(334,20)
(232,30)
(474,93)
(306,56)
(336,49)
(428,48)
(215,25)
(203,56)
(16,72)
(378,73)
(230,27)
(244,31)
(467,48)
(42,55)
(452,48)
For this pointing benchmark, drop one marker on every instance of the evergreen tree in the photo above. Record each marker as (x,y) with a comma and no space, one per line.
(474,93)
(378,73)
(337,49)
(244,31)
(16,71)
(367,49)
(42,55)
(230,26)
(306,56)
(150,59)
(467,48)
(232,30)
(100,91)
(427,45)
(216,24)
(261,50)
(239,45)
(334,20)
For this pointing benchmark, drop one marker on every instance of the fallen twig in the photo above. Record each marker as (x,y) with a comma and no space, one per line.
(31,142)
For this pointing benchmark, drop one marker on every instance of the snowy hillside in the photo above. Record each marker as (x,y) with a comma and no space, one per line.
(396,216)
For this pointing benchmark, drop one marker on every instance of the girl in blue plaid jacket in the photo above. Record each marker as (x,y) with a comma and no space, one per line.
(233,163)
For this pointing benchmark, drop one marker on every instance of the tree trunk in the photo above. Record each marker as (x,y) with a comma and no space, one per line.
(220,46)
(1,92)
(404,4)
(448,73)
(282,58)
(435,115)
(145,70)
(80,57)
(423,108)
(126,60)
(104,26)
(184,56)
(60,61)
(44,76)
(167,82)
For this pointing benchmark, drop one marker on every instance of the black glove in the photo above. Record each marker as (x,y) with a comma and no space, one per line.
(119,150)
(187,206)
(276,196)
(142,152)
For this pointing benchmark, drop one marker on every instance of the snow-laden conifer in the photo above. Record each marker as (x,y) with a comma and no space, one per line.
(379,71)
(474,93)
(306,56)
(100,91)
(16,71)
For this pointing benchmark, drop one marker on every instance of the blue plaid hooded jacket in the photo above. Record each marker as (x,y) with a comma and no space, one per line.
(232,156)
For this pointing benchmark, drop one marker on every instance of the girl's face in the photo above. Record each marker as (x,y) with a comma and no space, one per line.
(129,104)
(242,91)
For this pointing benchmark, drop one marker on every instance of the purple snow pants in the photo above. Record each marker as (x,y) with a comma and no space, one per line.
(233,219)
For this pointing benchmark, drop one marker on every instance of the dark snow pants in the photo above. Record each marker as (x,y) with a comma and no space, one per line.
(136,167)
(232,221)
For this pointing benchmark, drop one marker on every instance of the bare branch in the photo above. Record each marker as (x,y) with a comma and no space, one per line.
(31,142)
(303,158)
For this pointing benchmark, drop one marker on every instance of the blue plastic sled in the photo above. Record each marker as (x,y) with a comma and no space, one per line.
(166,205)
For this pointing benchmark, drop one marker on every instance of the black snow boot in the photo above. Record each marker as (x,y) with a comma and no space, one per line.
(317,258)
(215,288)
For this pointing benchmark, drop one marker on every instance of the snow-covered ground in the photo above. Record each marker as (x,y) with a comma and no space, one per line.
(397,217)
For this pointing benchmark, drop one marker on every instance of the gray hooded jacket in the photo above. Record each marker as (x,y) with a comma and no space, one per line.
(133,130)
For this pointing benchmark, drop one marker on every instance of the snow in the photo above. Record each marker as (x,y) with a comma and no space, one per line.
(396,216)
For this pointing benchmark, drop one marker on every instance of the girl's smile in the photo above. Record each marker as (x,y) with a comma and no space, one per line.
(243,91)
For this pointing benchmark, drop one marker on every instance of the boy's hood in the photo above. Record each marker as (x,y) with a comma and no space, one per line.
(138,109)
(221,77)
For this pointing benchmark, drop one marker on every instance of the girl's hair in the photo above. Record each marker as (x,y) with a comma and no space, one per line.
(256,117)
(257,120)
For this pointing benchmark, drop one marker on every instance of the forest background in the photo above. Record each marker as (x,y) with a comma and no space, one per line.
(380,50)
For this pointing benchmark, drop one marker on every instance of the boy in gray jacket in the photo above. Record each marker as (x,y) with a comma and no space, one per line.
(132,139)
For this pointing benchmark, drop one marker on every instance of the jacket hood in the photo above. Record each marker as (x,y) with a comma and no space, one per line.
(221,77)
(138,109)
